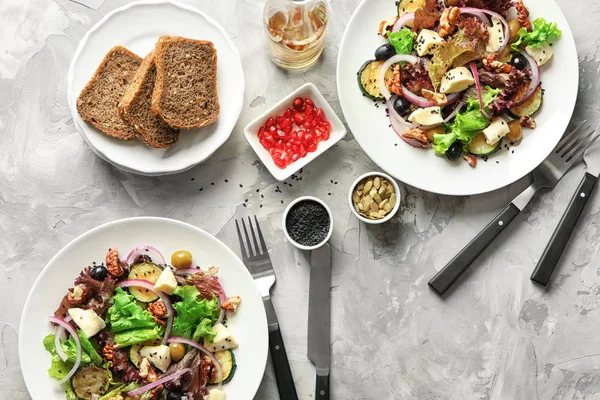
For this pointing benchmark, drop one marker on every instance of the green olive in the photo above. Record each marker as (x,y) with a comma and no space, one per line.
(177,351)
(181,259)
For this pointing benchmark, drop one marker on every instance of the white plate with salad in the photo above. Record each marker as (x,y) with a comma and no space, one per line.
(458,97)
(144,308)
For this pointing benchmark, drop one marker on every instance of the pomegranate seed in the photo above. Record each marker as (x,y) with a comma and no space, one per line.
(288,113)
(279,120)
(311,147)
(286,122)
(303,151)
(298,119)
(294,135)
(313,123)
(309,102)
(300,134)
(325,125)
(272,129)
(295,157)
(309,109)
(309,118)
(268,137)
(296,148)
(265,143)
(270,122)
(309,137)
(318,133)
(298,102)
(288,129)
(320,114)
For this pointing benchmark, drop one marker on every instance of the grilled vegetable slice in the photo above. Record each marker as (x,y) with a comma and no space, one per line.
(90,380)
(368,76)
(479,146)
(146,271)
(409,6)
(134,355)
(530,106)
(227,360)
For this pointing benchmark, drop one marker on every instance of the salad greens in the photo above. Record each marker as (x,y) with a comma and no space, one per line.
(125,314)
(402,40)
(467,124)
(135,336)
(59,368)
(89,349)
(119,390)
(543,32)
(194,316)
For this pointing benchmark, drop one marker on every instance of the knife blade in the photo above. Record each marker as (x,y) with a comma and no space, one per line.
(555,248)
(319,318)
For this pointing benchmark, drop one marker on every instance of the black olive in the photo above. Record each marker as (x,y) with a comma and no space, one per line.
(519,62)
(174,396)
(455,150)
(99,272)
(384,52)
(401,105)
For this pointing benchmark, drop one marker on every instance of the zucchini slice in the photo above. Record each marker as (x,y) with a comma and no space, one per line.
(90,380)
(368,76)
(146,271)
(530,106)
(134,355)
(409,6)
(227,360)
(480,148)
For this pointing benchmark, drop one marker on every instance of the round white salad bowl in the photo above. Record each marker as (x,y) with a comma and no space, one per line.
(422,168)
(248,324)
(137,26)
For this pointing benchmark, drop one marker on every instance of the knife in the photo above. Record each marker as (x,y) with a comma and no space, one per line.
(319,318)
(554,250)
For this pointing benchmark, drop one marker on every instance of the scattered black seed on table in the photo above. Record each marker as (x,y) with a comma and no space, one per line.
(201,189)
(257,190)
(244,204)
(226,180)
(281,201)
(260,206)
(262,196)
(212,183)
(193,179)
(307,223)
(241,185)
(329,194)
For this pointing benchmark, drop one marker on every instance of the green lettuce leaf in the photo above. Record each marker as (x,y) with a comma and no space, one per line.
(69,392)
(120,390)
(87,347)
(125,314)
(69,347)
(135,336)
(543,32)
(402,40)
(467,124)
(204,330)
(191,311)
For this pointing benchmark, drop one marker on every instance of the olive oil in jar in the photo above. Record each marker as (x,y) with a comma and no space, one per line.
(295,31)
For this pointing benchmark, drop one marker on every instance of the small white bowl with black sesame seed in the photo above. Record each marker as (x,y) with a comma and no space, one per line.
(390,210)
(307,223)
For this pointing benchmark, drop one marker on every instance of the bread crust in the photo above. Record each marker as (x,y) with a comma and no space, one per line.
(159,87)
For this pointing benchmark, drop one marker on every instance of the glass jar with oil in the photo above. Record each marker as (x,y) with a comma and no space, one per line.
(295,31)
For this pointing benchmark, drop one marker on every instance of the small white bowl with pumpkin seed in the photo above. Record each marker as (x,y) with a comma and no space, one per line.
(374,197)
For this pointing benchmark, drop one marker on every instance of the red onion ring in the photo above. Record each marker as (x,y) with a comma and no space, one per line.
(422,101)
(57,336)
(143,250)
(203,349)
(71,330)
(395,121)
(159,382)
(163,296)
(222,298)
(402,21)
(535,77)
(476,11)
(456,110)
(389,62)
(478,86)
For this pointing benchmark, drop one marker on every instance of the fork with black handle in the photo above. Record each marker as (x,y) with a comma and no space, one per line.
(256,259)
(554,250)
(547,174)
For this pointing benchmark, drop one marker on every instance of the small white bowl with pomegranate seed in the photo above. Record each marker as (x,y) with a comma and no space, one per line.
(294,131)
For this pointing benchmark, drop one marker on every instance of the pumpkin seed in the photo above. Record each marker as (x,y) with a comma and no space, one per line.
(383,203)
(355,197)
(368,186)
(373,192)
(377,198)
(374,214)
(360,206)
(387,207)
(393,198)
(376,182)
(381,190)
(374,206)
(382,213)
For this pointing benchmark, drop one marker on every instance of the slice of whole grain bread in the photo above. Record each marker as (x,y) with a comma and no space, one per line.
(135,108)
(97,103)
(185,92)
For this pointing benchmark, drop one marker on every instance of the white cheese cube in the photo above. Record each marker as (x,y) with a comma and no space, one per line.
(427,42)
(456,80)
(159,356)
(496,36)
(87,320)
(216,394)
(223,341)
(166,282)
(541,54)
(496,130)
(426,116)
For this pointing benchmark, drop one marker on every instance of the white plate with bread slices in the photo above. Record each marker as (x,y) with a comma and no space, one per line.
(156,87)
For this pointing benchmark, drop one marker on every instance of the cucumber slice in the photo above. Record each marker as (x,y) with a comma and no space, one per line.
(368,76)
(409,6)
(480,148)
(530,106)
(90,380)
(227,360)
(146,271)
(134,355)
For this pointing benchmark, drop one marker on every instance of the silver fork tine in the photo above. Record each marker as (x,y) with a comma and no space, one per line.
(258,249)
(578,143)
(567,138)
(263,244)
(245,254)
(580,152)
(251,251)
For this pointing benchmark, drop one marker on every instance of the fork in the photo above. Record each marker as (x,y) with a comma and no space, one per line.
(257,260)
(546,175)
